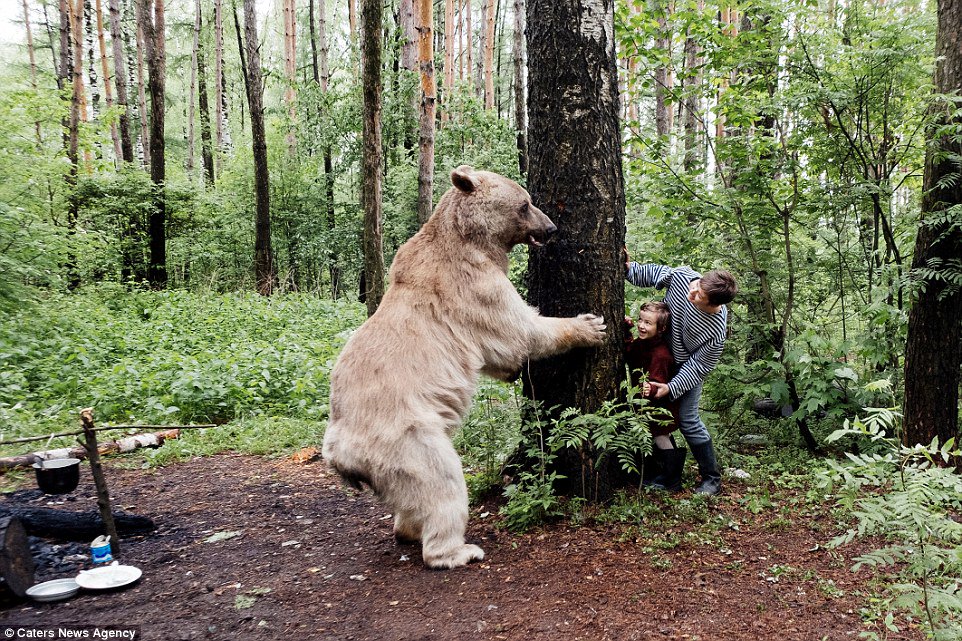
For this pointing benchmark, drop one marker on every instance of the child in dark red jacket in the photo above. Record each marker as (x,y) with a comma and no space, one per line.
(648,354)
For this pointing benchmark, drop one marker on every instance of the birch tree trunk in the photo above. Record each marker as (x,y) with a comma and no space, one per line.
(934,347)
(371,160)
(218,78)
(120,81)
(575,177)
(141,91)
(425,25)
(264,272)
(71,66)
(153,28)
(448,55)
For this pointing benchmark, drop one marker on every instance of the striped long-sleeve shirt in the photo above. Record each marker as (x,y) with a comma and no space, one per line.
(697,338)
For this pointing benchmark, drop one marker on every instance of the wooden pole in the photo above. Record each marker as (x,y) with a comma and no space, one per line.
(103,495)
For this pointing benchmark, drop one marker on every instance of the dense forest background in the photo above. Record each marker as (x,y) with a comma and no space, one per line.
(785,142)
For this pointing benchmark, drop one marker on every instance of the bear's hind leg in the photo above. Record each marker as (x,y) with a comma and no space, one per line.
(406,528)
(431,499)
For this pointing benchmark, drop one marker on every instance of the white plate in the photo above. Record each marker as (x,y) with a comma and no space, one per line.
(53,590)
(108,577)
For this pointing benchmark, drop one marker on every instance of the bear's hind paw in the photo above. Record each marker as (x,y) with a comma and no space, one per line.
(461,555)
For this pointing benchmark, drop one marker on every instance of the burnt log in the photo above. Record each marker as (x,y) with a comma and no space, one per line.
(64,525)
(16,562)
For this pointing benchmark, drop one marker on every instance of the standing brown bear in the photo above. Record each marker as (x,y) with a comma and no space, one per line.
(405,379)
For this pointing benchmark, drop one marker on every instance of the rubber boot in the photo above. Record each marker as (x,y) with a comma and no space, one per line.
(704,454)
(672,466)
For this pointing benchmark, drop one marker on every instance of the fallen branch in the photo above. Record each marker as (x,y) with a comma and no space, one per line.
(27,439)
(121,445)
(63,525)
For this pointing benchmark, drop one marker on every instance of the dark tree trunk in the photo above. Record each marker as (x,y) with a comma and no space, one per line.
(263,256)
(428,108)
(206,144)
(154,43)
(371,161)
(575,177)
(933,351)
(16,562)
(65,525)
(71,68)
(120,81)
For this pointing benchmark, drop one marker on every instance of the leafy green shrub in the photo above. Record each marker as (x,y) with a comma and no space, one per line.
(902,494)
(168,357)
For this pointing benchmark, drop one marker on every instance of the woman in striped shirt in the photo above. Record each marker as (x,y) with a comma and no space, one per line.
(699,318)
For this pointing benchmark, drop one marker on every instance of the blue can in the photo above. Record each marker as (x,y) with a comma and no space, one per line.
(100,550)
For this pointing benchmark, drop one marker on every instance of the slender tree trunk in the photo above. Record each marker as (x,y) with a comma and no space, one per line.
(520,102)
(409,35)
(290,66)
(663,112)
(264,272)
(321,76)
(33,66)
(206,144)
(933,351)
(352,18)
(71,66)
(153,27)
(142,91)
(192,95)
(372,159)
(469,31)
(425,23)
(108,90)
(692,99)
(489,17)
(218,78)
(120,81)
(448,56)
(575,177)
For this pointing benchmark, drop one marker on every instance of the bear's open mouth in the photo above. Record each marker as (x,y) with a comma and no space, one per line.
(534,241)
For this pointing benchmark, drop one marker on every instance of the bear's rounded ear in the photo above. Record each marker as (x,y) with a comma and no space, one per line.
(463,178)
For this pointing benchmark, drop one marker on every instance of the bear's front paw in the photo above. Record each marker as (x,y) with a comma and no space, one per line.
(593,329)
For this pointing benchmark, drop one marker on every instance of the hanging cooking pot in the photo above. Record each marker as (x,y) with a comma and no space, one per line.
(57,476)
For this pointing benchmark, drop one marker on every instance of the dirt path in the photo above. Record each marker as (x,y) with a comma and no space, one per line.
(298,558)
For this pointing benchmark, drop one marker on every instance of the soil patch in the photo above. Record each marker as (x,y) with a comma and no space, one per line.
(253,548)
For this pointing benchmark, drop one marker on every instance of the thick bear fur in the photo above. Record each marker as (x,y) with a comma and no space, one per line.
(405,379)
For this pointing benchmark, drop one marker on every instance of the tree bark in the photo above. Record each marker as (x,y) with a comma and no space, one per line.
(218,76)
(108,90)
(33,66)
(120,81)
(489,17)
(448,56)
(16,562)
(575,177)
(520,102)
(264,272)
(933,351)
(290,67)
(425,24)
(352,18)
(371,160)
(663,75)
(71,57)
(153,27)
(142,92)
(692,99)
(206,144)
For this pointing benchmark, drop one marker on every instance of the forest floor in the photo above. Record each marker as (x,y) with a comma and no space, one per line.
(256,548)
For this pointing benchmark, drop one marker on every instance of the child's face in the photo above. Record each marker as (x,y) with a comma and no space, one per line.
(647,324)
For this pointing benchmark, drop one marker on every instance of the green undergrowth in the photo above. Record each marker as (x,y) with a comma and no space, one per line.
(175,357)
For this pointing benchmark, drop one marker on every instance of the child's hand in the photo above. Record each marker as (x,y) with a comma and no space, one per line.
(660,389)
